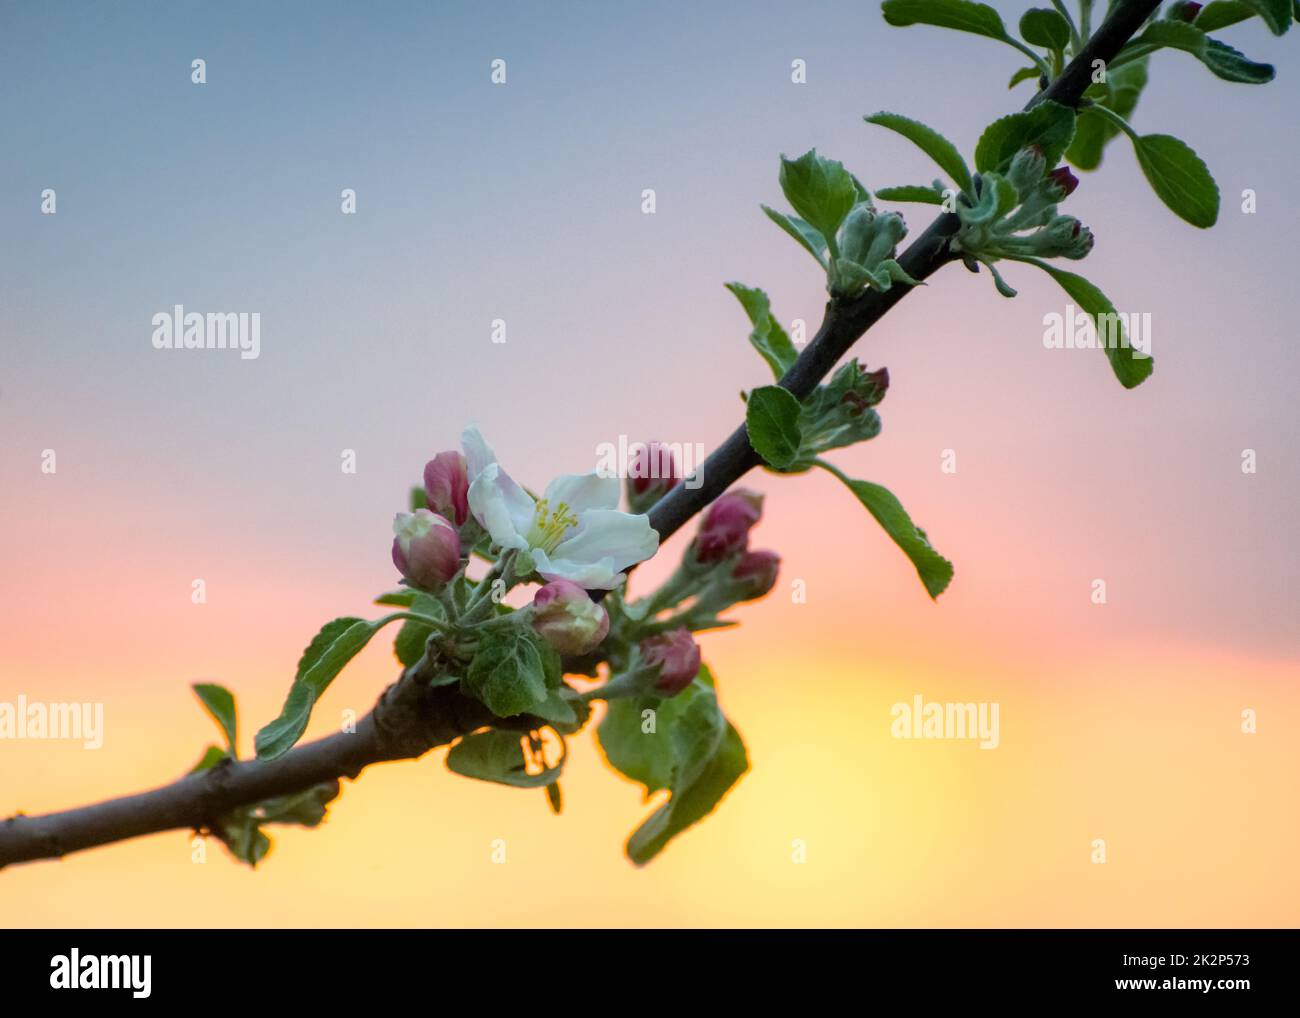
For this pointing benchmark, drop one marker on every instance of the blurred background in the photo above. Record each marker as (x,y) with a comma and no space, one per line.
(523,202)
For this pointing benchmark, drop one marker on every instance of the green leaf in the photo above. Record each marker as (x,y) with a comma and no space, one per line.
(411,640)
(935,570)
(212,756)
(334,646)
(556,708)
(1231,65)
(220,703)
(414,634)
(772,421)
(1048,125)
(929,141)
(644,756)
(1120,92)
(401,598)
(691,803)
(1277,14)
(1040,26)
(419,498)
(497,756)
(508,673)
(809,239)
(1220,14)
(1179,178)
(307,809)
(1131,366)
(820,190)
(1220,58)
(1024,74)
(554,799)
(961,15)
(767,337)
(910,192)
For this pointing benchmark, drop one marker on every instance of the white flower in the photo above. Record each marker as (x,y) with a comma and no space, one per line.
(574,532)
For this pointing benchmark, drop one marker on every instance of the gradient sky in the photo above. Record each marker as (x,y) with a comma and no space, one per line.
(523,202)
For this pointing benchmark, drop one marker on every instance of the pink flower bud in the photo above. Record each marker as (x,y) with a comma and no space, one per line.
(447,486)
(426,550)
(755,574)
(653,466)
(676,655)
(568,619)
(726,525)
(1064,179)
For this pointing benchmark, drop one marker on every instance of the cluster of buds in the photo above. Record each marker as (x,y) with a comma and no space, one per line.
(429,547)
(1015,216)
(868,241)
(841,412)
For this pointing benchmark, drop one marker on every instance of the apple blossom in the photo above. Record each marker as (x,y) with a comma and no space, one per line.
(574,532)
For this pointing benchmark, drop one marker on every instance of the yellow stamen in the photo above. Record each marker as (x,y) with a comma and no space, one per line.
(549,527)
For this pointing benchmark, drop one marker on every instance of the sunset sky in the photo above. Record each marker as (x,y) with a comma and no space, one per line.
(523,202)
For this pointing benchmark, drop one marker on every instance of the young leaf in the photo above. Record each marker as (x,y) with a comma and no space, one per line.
(772,421)
(809,239)
(1024,74)
(212,756)
(1220,58)
(498,756)
(644,756)
(1179,178)
(929,141)
(935,570)
(1048,125)
(1131,366)
(1277,14)
(821,190)
(768,338)
(910,192)
(1040,26)
(683,744)
(220,703)
(961,15)
(1220,14)
(335,645)
(507,674)
(693,802)
(1092,132)
(1231,65)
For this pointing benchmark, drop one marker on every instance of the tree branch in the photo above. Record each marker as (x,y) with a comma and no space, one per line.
(410,718)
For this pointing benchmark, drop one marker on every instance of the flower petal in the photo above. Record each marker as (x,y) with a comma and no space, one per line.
(599,575)
(583,492)
(478,454)
(608,533)
(501,506)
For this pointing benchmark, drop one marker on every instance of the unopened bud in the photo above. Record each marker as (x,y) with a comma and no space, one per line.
(677,657)
(568,619)
(426,549)
(447,486)
(726,525)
